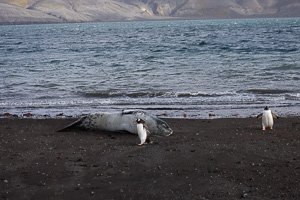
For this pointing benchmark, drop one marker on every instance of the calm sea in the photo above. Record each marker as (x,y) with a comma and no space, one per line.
(226,68)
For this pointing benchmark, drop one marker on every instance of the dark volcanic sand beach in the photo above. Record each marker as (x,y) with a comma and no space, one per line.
(203,159)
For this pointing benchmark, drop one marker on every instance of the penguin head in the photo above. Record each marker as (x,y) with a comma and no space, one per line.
(267,108)
(139,121)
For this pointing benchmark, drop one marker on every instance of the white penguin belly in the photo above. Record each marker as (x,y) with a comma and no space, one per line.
(267,119)
(142,133)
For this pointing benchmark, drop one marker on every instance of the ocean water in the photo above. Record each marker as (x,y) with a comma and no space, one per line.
(193,69)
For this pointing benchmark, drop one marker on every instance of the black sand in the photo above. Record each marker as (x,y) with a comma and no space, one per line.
(203,159)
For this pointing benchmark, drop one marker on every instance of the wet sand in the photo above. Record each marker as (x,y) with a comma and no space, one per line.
(203,159)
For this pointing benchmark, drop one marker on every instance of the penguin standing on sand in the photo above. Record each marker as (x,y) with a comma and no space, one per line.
(143,131)
(267,118)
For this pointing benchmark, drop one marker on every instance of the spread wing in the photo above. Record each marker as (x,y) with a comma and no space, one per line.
(260,115)
(275,116)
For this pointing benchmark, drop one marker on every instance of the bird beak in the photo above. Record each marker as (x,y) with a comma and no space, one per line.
(134,122)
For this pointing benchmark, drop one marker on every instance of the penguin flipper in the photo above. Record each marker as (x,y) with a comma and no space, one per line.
(73,125)
(260,115)
(148,132)
(148,140)
(275,116)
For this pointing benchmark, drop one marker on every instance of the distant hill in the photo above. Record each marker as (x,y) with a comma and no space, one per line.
(60,11)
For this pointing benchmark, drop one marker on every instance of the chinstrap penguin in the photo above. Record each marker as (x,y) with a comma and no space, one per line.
(267,118)
(143,131)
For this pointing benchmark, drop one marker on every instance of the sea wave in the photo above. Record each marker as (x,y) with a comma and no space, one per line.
(285,67)
(116,94)
(268,91)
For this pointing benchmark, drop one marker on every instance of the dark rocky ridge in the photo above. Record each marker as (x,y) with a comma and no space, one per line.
(60,11)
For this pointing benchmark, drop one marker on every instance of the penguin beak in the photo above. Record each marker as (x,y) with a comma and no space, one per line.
(134,122)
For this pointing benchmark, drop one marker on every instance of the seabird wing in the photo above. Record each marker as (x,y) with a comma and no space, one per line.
(146,128)
(260,115)
(275,116)
(148,140)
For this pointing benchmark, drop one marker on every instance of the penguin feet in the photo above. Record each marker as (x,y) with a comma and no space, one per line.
(147,142)
(271,128)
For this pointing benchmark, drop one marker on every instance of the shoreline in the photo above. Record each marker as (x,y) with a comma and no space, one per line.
(164,114)
(229,158)
(154,19)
